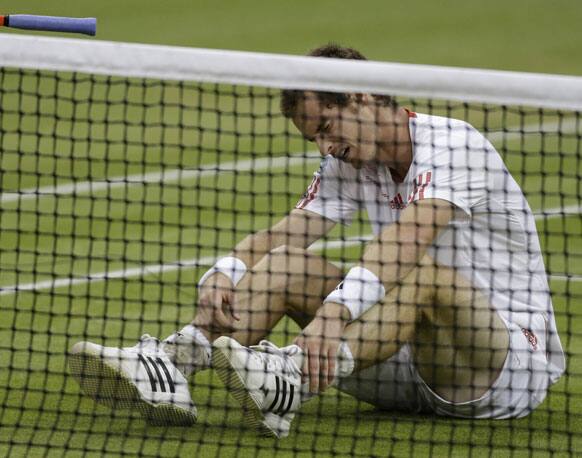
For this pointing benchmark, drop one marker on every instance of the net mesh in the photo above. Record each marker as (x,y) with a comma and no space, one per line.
(119,193)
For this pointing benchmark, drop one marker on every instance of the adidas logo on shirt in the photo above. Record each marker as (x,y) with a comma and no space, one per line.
(397,203)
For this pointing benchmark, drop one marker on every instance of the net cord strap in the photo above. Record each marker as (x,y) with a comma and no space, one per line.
(293,72)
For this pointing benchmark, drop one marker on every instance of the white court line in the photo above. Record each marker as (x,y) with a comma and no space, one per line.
(165,176)
(113,275)
(209,260)
(213,169)
(173,175)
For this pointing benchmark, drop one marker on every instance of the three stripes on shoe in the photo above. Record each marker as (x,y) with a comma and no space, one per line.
(157,364)
(284,392)
(278,405)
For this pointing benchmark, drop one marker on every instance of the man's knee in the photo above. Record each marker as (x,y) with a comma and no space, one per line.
(288,250)
(448,296)
(277,260)
(284,259)
(435,283)
(427,285)
(419,285)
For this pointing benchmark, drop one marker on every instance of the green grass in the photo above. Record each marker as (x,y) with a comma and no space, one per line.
(97,135)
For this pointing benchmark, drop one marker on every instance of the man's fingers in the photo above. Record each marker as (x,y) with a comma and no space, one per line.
(331,356)
(300,342)
(305,367)
(217,313)
(314,370)
(228,300)
(323,363)
(221,319)
(218,316)
(233,312)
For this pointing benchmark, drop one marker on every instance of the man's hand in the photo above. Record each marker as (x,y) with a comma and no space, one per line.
(215,301)
(320,341)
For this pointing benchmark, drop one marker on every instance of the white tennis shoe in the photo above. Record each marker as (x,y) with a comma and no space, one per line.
(266,381)
(140,377)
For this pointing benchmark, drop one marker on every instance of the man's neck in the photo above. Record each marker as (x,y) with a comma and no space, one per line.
(396,150)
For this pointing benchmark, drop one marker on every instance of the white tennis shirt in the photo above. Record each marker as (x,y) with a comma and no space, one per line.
(492,238)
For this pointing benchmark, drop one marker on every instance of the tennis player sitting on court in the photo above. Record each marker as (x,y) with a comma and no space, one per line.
(448,310)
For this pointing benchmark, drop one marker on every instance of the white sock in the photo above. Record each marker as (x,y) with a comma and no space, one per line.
(189,350)
(197,336)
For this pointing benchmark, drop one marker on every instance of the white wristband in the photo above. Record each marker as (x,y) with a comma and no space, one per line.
(359,290)
(230,266)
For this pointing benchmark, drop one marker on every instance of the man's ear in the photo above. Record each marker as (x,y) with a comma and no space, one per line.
(360,99)
(366,98)
(354,100)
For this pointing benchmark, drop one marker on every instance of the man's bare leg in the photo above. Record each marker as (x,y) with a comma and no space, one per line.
(455,333)
(288,281)
(459,342)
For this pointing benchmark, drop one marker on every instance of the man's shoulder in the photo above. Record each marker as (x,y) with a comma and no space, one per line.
(438,133)
(427,124)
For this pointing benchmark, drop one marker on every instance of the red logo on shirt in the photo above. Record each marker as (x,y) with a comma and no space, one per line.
(397,203)
(531,337)
(420,184)
(311,192)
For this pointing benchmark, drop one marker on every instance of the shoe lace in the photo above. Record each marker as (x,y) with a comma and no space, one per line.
(275,359)
(147,337)
(147,342)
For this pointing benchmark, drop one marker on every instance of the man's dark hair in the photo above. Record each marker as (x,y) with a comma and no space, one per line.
(291,97)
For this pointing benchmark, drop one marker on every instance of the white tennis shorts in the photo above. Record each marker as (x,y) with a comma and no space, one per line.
(521,386)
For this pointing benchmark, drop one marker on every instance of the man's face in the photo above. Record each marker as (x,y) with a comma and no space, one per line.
(347,133)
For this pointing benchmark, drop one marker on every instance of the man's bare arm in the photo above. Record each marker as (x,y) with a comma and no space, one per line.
(300,228)
(391,256)
(399,248)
